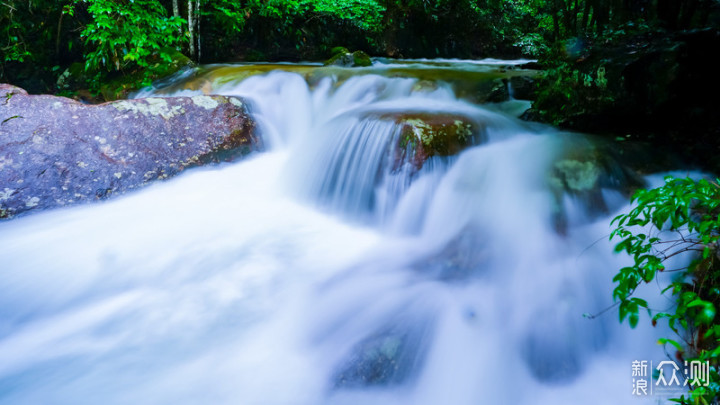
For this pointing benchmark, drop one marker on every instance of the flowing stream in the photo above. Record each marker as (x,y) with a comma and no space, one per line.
(326,270)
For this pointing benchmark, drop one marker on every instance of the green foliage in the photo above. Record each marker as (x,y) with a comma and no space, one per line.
(27,37)
(123,35)
(365,14)
(567,90)
(314,26)
(680,217)
(13,31)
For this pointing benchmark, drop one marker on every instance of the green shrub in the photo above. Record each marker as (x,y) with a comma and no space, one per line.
(680,217)
(125,36)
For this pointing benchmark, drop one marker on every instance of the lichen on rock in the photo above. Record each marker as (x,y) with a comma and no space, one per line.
(206,102)
(424,135)
(149,106)
(62,152)
(577,176)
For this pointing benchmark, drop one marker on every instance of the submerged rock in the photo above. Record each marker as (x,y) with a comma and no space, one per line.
(462,258)
(391,357)
(56,152)
(581,172)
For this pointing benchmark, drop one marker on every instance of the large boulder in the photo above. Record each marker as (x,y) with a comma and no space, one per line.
(56,152)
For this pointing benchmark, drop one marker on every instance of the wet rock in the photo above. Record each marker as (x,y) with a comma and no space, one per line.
(498,93)
(585,167)
(339,49)
(551,358)
(57,152)
(346,59)
(425,135)
(391,357)
(522,87)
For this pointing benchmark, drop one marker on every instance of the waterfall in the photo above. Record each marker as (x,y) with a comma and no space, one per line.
(333,268)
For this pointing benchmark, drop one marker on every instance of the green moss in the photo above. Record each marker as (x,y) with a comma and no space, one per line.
(435,134)
(361,59)
(339,50)
(343,58)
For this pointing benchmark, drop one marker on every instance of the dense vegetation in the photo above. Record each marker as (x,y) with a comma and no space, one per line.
(110,36)
(590,47)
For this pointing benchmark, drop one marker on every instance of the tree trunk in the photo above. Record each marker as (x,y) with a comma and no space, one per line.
(176,14)
(197,19)
(191,31)
(57,38)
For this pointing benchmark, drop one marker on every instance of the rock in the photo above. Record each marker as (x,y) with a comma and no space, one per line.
(522,87)
(340,59)
(585,167)
(360,58)
(497,93)
(391,357)
(347,59)
(56,151)
(339,49)
(425,135)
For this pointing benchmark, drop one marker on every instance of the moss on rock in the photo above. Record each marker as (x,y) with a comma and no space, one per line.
(343,58)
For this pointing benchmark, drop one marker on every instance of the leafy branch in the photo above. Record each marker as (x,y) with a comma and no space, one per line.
(689,210)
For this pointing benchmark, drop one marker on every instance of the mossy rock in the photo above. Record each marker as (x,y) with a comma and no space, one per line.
(424,135)
(361,59)
(347,59)
(339,49)
(441,135)
(584,168)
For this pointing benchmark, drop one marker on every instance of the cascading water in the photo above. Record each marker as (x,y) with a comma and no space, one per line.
(327,271)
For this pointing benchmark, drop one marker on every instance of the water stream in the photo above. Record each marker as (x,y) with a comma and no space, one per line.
(325,271)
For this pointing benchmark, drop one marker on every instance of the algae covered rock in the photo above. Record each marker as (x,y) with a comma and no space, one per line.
(55,151)
(425,135)
(343,58)
(584,168)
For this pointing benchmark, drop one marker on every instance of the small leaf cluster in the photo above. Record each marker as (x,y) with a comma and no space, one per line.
(682,217)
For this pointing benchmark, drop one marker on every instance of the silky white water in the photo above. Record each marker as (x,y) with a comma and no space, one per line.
(317,273)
